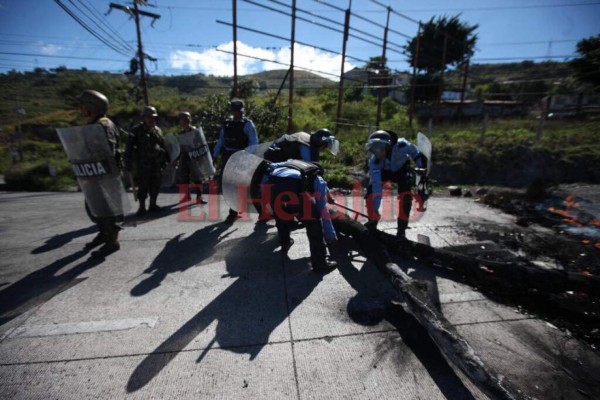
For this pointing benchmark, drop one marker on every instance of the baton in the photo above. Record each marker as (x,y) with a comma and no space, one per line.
(351,209)
(133,189)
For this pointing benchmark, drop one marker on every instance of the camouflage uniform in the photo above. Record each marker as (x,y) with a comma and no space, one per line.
(146,155)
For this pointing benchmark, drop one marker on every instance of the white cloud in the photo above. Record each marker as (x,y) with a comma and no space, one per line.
(219,63)
(49,49)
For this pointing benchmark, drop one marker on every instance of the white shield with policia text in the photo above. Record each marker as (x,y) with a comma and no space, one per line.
(194,144)
(96,170)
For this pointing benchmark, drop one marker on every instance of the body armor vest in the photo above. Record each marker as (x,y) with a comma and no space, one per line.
(234,135)
(308,172)
(287,147)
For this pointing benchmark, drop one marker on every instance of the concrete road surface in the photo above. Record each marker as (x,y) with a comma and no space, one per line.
(191,308)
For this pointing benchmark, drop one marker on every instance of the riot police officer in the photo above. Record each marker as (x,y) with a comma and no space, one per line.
(187,173)
(298,192)
(146,155)
(94,106)
(237,133)
(302,146)
(389,162)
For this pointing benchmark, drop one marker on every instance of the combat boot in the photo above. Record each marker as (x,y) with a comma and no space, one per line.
(142,209)
(112,242)
(153,206)
(325,266)
(96,241)
(199,199)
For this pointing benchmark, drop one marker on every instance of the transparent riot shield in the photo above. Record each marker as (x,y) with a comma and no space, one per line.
(259,149)
(423,183)
(95,168)
(241,178)
(424,146)
(194,144)
(172,145)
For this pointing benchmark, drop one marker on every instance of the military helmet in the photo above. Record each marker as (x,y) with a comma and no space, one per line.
(95,102)
(378,140)
(149,110)
(185,114)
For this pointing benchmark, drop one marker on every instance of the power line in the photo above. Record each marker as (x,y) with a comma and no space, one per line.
(50,56)
(87,28)
(496,8)
(396,12)
(287,40)
(103,25)
(319,24)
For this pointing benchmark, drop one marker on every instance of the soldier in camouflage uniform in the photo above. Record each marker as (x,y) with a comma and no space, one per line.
(186,172)
(94,106)
(146,155)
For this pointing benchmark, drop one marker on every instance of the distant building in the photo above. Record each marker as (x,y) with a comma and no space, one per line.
(571,104)
(396,84)
(452,109)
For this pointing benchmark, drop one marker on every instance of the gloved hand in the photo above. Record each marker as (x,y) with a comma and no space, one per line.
(330,198)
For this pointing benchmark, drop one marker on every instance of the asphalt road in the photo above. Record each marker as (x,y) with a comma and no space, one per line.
(194,308)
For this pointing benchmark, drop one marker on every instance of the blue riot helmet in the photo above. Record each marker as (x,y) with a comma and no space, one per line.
(323,139)
(379,143)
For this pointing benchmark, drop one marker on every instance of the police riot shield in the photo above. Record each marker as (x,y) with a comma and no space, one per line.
(172,145)
(96,170)
(241,179)
(194,144)
(424,146)
(259,149)
(423,184)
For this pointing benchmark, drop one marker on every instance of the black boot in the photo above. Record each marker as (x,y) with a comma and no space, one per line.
(153,206)
(142,209)
(285,247)
(96,241)
(325,266)
(111,236)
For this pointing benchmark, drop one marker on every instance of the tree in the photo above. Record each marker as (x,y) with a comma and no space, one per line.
(246,88)
(441,43)
(459,39)
(587,67)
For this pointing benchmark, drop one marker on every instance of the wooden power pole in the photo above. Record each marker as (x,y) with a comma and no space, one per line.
(136,12)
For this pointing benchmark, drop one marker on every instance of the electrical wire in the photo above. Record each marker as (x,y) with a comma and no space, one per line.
(87,28)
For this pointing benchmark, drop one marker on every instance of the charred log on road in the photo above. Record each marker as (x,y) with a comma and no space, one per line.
(418,303)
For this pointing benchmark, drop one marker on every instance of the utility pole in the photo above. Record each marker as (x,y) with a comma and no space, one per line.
(341,85)
(20,111)
(136,12)
(411,109)
(291,82)
(464,87)
(235,75)
(383,76)
(441,85)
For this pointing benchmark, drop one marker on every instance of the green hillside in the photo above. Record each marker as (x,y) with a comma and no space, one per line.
(568,150)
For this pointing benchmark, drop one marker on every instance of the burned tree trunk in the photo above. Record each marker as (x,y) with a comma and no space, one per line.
(518,274)
(417,303)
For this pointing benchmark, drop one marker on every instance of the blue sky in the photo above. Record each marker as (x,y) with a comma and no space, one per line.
(186,39)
